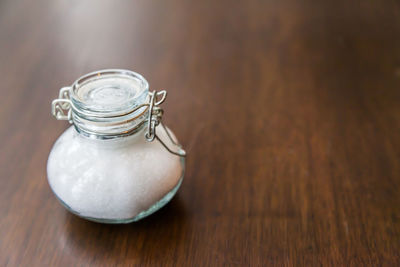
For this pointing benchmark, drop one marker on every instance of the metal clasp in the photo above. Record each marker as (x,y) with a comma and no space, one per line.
(154,119)
(61,107)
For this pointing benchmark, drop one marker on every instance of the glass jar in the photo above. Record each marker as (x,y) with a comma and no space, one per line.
(118,163)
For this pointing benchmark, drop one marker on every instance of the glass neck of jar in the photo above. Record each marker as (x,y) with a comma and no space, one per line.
(105,104)
(109,126)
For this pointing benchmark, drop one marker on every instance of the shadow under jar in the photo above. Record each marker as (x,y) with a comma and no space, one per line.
(118,163)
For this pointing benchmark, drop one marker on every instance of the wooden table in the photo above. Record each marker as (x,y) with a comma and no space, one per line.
(290,113)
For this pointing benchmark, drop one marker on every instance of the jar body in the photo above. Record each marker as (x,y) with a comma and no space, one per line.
(113,181)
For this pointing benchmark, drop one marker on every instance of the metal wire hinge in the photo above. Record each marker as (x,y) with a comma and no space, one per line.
(61,107)
(155,119)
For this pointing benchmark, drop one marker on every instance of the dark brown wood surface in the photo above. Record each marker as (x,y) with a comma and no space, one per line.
(289,111)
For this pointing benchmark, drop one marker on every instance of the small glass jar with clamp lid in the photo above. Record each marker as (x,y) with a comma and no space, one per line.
(118,163)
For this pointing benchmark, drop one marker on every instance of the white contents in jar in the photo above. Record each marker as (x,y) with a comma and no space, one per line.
(112,179)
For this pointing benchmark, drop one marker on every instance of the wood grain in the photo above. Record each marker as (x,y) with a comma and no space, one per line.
(289,111)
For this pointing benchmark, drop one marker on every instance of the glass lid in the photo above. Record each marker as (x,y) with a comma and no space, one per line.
(109,91)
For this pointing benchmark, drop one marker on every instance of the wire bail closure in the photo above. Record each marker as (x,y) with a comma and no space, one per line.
(155,113)
(61,109)
(155,117)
